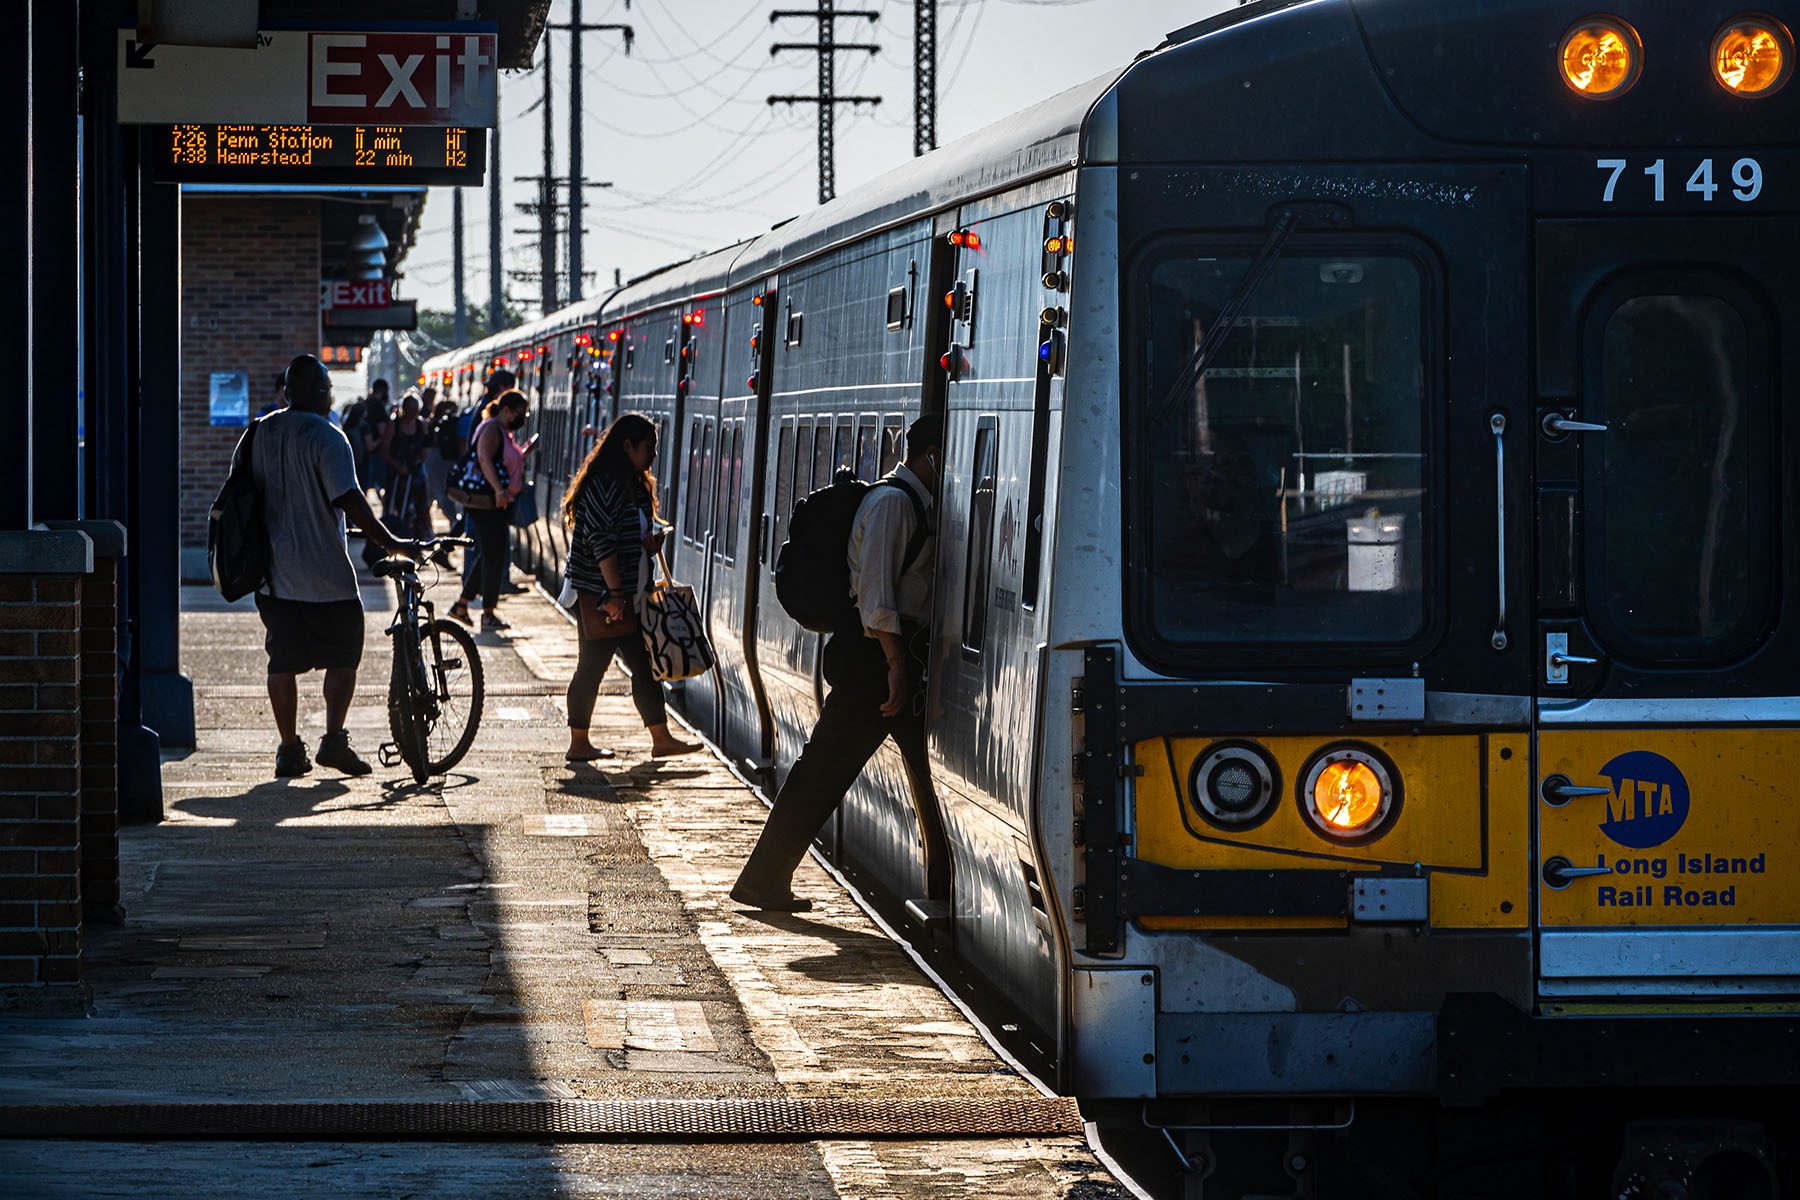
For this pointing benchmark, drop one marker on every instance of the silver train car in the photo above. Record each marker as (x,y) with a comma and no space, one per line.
(1361,695)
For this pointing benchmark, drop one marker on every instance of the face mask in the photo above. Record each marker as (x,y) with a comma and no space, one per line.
(516,421)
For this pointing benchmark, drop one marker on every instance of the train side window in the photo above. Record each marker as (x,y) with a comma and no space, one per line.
(896,308)
(669,351)
(784,483)
(630,355)
(821,454)
(843,455)
(868,437)
(796,325)
(890,442)
(1677,518)
(705,480)
(731,476)
(690,521)
(981,534)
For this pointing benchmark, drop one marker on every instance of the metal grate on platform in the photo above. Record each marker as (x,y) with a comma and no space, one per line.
(712,1120)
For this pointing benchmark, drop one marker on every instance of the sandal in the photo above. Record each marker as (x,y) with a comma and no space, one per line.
(599,752)
(493,624)
(460,612)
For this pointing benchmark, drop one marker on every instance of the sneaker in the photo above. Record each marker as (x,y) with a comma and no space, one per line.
(335,751)
(509,588)
(493,624)
(291,760)
(460,612)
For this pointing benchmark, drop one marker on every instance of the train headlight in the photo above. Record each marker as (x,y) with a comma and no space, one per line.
(1601,57)
(1349,793)
(1233,785)
(1753,56)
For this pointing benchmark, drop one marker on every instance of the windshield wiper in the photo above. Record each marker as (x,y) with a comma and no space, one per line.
(1208,350)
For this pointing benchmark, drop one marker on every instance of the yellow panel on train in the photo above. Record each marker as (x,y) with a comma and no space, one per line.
(1696,827)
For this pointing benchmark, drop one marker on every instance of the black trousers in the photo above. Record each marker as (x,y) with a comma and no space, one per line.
(849,731)
(597,655)
(485,566)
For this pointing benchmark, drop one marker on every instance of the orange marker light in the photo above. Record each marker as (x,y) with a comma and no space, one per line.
(1753,56)
(1601,58)
(964,237)
(1060,244)
(1348,796)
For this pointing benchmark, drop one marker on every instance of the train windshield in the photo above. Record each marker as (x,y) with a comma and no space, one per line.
(1279,498)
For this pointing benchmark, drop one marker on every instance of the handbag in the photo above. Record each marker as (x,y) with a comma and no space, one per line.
(674,635)
(525,508)
(468,486)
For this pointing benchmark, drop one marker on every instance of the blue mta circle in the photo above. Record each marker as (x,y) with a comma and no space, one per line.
(1649,803)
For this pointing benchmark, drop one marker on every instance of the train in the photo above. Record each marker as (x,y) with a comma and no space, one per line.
(1362,691)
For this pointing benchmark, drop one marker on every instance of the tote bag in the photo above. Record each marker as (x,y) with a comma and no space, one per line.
(670,619)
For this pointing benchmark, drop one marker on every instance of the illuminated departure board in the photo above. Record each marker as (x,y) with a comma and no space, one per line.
(322,154)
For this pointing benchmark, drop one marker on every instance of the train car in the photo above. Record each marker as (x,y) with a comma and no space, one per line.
(1362,675)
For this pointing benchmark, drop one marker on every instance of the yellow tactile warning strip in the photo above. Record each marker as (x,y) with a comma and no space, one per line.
(709,1119)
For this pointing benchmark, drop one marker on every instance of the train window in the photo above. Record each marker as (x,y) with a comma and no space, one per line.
(868,438)
(796,324)
(1678,540)
(731,477)
(843,452)
(630,355)
(669,351)
(705,480)
(821,454)
(890,442)
(690,522)
(981,535)
(896,308)
(784,484)
(1280,498)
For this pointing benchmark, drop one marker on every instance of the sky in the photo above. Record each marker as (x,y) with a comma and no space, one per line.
(698,158)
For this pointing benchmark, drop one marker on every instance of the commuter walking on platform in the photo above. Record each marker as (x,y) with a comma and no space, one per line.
(443,451)
(875,666)
(311,608)
(376,417)
(488,491)
(610,513)
(405,506)
(499,382)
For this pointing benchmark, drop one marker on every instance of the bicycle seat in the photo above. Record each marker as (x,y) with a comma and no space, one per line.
(393,566)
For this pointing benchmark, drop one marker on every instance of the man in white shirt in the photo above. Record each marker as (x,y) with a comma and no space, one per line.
(875,669)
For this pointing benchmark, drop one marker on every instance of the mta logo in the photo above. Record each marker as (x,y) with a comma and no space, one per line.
(1649,803)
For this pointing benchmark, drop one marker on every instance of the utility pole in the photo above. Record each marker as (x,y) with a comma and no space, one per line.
(496,314)
(547,201)
(924,76)
(576,28)
(459,331)
(827,48)
(547,209)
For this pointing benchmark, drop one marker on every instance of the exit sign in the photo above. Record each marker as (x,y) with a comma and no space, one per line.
(355,293)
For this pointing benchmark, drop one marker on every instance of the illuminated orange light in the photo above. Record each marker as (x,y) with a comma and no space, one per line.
(1347,795)
(1601,58)
(1059,244)
(1752,56)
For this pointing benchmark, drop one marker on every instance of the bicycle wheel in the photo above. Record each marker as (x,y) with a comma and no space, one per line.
(454,682)
(408,718)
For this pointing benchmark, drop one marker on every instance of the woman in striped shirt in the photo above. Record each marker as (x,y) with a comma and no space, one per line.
(610,513)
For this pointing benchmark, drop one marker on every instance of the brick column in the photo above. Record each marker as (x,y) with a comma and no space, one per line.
(100,722)
(41,580)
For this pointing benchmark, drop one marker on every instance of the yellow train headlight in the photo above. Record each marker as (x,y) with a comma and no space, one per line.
(1349,793)
(1601,57)
(1753,56)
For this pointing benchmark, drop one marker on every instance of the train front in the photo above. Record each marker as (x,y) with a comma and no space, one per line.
(1427,601)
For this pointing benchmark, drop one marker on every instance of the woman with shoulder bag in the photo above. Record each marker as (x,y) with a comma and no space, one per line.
(610,513)
(488,491)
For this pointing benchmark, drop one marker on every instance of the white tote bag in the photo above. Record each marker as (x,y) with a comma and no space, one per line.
(670,618)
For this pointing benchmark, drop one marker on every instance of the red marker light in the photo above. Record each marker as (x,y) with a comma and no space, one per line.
(950,299)
(612,335)
(750,383)
(757,300)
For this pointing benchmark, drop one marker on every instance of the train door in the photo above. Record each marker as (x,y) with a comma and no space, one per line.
(1666,662)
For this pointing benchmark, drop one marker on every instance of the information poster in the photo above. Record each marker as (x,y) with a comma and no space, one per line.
(230,398)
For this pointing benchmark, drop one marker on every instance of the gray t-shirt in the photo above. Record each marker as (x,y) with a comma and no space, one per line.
(301,462)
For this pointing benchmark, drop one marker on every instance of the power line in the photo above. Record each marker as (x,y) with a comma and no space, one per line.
(827,49)
(577,116)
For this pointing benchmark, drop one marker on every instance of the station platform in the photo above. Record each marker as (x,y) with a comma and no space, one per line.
(523,980)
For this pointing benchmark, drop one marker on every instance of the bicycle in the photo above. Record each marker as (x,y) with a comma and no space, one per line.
(435,691)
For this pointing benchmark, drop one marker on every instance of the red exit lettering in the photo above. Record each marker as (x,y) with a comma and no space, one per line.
(355,293)
(402,78)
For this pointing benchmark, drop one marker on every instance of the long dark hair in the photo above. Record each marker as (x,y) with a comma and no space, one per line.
(608,458)
(512,398)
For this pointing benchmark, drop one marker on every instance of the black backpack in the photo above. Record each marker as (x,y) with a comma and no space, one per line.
(237,535)
(812,572)
(447,436)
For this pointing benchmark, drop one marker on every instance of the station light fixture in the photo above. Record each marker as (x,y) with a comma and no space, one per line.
(1349,793)
(1753,56)
(1601,57)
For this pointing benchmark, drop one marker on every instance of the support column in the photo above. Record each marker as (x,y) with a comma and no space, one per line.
(15,282)
(167,694)
(54,245)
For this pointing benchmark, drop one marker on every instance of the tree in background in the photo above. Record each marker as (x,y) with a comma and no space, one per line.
(433,336)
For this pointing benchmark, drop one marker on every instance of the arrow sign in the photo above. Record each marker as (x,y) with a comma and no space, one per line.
(137,55)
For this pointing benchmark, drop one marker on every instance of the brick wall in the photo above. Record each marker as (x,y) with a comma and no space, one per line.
(249,302)
(40,778)
(100,742)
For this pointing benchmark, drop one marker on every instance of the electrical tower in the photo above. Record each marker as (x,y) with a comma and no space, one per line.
(496,313)
(924,76)
(554,220)
(827,48)
(546,205)
(576,28)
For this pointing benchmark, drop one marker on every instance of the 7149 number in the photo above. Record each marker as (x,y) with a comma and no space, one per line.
(1746,179)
